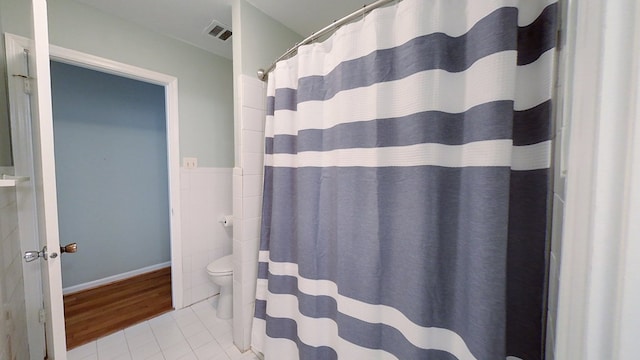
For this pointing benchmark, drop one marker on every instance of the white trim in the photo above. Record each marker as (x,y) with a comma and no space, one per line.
(93,62)
(110,279)
(173,141)
(44,180)
(627,316)
(23,165)
(170,84)
(581,96)
(595,321)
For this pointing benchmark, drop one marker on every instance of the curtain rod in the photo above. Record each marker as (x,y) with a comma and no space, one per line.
(263,74)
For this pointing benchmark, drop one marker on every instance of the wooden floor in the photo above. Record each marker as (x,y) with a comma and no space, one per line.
(94,313)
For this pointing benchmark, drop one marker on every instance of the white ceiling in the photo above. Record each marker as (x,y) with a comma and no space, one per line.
(187,20)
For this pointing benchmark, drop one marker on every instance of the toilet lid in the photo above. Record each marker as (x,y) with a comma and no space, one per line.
(221,266)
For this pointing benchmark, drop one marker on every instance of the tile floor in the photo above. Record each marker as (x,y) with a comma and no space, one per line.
(192,333)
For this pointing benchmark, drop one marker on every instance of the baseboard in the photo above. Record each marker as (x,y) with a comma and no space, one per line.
(110,279)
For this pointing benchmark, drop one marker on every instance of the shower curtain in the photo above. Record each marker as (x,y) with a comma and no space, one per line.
(407,170)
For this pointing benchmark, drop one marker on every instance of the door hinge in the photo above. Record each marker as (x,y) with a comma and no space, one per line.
(27,86)
(42,316)
(559,40)
(562,19)
(26,81)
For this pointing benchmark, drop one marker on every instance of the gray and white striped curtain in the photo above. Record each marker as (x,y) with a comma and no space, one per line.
(406,187)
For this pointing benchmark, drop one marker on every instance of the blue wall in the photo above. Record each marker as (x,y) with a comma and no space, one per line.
(111,165)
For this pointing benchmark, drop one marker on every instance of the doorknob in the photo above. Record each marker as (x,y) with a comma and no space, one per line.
(69,248)
(30,256)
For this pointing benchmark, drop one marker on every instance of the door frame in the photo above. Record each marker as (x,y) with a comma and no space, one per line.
(23,152)
(27,214)
(170,84)
(599,292)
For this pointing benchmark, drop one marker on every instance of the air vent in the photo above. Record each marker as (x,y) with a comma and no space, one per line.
(225,35)
(218,30)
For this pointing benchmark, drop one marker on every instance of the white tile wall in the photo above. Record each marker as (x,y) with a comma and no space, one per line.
(13,322)
(247,206)
(557,220)
(252,163)
(253,119)
(206,197)
(554,274)
(253,94)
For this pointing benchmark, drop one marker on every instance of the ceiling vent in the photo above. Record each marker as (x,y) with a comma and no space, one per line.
(219,30)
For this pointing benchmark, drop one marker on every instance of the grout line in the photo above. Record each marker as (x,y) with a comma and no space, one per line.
(201,317)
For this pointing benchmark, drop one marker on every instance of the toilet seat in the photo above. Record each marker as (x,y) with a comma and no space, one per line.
(222,266)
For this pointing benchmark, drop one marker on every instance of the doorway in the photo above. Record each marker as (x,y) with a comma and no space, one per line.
(170,90)
(113,197)
(168,128)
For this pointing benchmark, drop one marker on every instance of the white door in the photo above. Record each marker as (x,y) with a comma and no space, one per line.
(30,103)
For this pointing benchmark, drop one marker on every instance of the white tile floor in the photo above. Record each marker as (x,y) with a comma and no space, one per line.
(193,333)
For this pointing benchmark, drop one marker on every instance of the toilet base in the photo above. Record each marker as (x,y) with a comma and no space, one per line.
(225,303)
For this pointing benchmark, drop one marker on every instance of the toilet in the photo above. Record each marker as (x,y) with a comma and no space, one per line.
(221,273)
